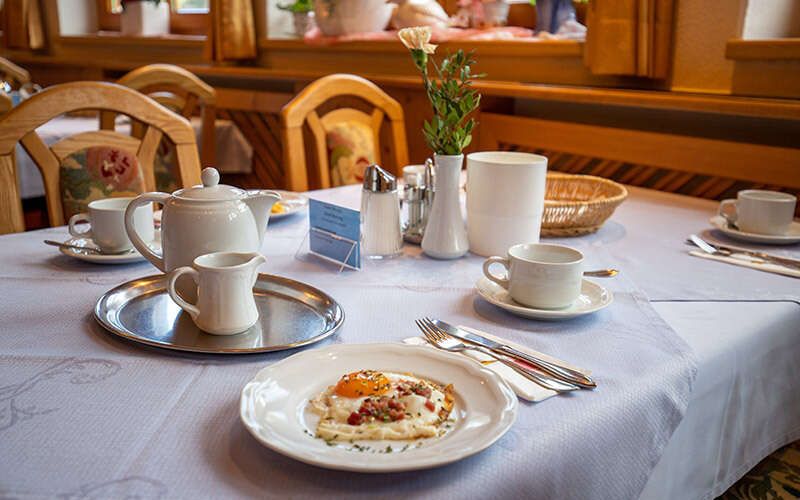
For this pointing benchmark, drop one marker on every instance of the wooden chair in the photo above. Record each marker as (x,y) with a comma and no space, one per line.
(5,103)
(13,74)
(179,90)
(20,124)
(303,109)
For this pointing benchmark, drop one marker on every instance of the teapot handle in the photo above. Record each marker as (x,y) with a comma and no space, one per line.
(140,245)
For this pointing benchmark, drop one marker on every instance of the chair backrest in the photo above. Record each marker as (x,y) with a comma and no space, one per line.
(19,126)
(13,74)
(179,90)
(11,218)
(5,103)
(303,109)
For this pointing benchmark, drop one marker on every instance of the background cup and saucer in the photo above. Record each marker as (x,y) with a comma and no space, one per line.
(106,218)
(542,281)
(759,216)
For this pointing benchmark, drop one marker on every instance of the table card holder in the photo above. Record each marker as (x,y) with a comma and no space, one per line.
(333,236)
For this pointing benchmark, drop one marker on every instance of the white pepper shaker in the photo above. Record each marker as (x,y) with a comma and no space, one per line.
(381,236)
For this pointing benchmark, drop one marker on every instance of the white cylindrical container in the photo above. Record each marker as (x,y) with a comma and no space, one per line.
(505,200)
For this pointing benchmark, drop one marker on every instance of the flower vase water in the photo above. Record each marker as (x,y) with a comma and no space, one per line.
(445,234)
(449,131)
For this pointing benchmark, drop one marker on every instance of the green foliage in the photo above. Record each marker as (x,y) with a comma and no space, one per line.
(453,99)
(298,6)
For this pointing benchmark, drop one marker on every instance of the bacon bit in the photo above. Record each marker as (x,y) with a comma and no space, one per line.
(405,388)
(429,405)
(383,409)
(355,419)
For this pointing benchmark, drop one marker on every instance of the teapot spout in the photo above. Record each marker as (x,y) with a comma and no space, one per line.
(260,203)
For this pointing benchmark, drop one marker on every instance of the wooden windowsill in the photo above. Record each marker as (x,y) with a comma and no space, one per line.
(521,47)
(115,38)
(748,50)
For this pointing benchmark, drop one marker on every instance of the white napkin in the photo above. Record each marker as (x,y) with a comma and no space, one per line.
(747,261)
(523,387)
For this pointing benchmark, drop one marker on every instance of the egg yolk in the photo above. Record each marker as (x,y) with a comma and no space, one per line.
(363,383)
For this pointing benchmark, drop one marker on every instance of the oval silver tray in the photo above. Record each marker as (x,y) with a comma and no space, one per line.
(291,314)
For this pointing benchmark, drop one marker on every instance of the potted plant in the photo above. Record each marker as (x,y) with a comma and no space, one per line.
(144,18)
(449,131)
(303,13)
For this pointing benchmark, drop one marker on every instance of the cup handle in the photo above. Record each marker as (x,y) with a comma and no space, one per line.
(140,245)
(488,273)
(730,217)
(172,278)
(77,219)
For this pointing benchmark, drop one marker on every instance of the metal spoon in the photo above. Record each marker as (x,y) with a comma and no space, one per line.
(602,273)
(87,249)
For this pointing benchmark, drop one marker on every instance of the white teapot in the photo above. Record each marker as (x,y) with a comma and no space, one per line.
(204,219)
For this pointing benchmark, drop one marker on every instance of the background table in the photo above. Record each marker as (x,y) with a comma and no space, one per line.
(233,153)
(93,422)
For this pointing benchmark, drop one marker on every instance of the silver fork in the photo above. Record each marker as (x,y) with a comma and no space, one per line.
(445,342)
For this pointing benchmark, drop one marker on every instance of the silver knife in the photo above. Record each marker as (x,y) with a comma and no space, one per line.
(711,247)
(560,372)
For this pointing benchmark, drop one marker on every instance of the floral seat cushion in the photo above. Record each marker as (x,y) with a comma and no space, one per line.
(98,172)
(351,149)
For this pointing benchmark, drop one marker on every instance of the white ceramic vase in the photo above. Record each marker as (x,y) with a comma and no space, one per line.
(144,18)
(446,235)
(345,17)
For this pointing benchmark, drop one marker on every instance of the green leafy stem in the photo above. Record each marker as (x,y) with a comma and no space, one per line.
(453,100)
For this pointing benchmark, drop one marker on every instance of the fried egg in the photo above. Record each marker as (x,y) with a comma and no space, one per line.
(371,405)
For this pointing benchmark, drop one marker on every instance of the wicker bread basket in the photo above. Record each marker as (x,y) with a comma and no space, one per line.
(579,204)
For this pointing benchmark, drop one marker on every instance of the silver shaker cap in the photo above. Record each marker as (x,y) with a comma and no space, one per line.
(379,180)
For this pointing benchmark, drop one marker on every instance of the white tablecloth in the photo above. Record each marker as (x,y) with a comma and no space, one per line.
(168,426)
(234,154)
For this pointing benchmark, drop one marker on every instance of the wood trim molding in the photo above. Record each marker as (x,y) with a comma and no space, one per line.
(748,50)
(531,48)
(649,99)
(750,162)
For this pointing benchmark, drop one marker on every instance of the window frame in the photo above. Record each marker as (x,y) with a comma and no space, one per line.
(190,23)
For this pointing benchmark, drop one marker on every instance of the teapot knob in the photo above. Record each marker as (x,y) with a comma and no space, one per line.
(209,176)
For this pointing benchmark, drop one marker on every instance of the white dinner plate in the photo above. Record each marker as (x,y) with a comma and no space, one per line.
(96,258)
(593,298)
(291,202)
(791,237)
(274,407)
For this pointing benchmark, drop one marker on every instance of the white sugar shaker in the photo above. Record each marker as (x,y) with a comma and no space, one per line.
(381,235)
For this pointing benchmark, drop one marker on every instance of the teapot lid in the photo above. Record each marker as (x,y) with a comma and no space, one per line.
(211,189)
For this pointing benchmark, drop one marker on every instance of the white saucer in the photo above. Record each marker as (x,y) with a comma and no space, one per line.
(96,258)
(792,236)
(291,202)
(593,298)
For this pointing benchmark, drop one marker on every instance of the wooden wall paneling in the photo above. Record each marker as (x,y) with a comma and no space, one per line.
(271,151)
(675,172)
(750,162)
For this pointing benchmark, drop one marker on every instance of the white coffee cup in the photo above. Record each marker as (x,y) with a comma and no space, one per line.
(540,275)
(505,199)
(225,302)
(759,211)
(107,220)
